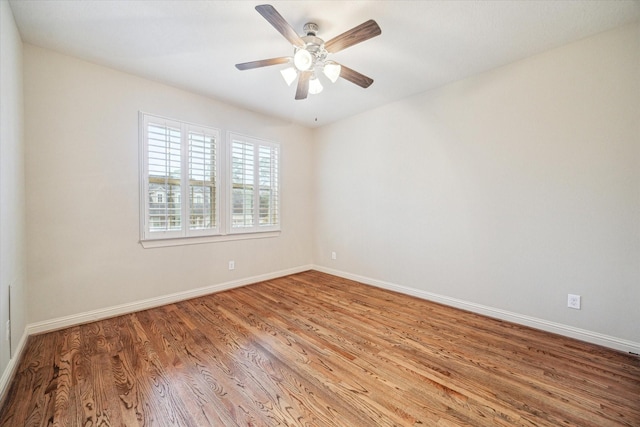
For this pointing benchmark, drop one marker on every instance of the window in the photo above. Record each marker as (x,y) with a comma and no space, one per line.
(188,191)
(255,196)
(179,158)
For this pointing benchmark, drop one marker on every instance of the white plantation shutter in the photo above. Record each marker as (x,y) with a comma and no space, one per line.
(163,162)
(180,179)
(203,180)
(269,214)
(254,199)
(242,186)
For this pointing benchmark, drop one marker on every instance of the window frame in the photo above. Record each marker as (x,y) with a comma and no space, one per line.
(224,230)
(186,130)
(256,143)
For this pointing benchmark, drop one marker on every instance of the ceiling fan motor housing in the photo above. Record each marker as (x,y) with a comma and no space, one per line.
(310,28)
(313,44)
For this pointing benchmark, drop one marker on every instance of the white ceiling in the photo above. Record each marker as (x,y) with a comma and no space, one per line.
(423,45)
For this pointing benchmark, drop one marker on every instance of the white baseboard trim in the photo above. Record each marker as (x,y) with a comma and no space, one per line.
(9,372)
(119,310)
(557,328)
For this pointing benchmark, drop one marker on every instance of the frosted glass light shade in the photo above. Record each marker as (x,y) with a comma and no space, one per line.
(315,87)
(289,75)
(302,60)
(332,71)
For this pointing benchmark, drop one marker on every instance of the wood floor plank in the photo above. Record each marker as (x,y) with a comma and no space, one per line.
(313,349)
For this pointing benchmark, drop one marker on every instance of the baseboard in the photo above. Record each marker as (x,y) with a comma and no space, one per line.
(10,370)
(119,310)
(557,328)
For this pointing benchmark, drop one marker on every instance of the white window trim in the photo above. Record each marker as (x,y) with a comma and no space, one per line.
(223,205)
(162,243)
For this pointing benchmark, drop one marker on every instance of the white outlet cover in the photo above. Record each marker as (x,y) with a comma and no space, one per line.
(573,301)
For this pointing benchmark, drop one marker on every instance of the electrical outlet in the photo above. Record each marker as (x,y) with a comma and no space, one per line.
(333,255)
(573,301)
(232,265)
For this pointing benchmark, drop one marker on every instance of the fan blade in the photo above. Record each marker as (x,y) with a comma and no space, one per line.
(303,85)
(355,77)
(355,35)
(262,63)
(269,13)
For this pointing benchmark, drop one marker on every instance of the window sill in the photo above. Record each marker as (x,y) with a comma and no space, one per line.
(182,241)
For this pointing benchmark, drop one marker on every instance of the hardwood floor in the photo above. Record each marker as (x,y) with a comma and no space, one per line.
(317,350)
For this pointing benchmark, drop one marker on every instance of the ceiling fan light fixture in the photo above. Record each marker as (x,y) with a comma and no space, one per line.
(332,71)
(310,53)
(315,87)
(302,60)
(289,74)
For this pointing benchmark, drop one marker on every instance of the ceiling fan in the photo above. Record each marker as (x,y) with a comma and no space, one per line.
(310,53)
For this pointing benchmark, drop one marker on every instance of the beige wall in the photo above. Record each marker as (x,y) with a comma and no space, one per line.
(12,190)
(508,190)
(81,129)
